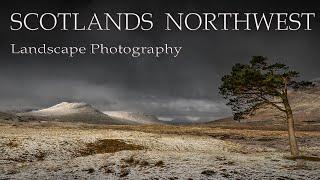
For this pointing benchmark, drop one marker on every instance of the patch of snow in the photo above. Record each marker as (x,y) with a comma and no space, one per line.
(49,153)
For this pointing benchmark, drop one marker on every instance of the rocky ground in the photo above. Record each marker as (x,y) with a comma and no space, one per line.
(36,151)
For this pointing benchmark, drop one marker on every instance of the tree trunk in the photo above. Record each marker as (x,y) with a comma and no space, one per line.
(291,132)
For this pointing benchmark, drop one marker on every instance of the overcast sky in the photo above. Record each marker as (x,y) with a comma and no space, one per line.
(185,87)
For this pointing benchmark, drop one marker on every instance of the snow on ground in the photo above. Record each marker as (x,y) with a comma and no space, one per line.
(53,153)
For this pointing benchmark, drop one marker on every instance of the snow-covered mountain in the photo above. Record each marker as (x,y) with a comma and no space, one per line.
(83,112)
(65,108)
(135,118)
(75,112)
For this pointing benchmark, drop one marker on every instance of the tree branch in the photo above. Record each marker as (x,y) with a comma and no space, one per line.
(273,104)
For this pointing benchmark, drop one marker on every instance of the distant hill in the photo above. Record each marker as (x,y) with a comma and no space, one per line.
(306,110)
(73,112)
(135,118)
(304,103)
(180,121)
(83,112)
(7,116)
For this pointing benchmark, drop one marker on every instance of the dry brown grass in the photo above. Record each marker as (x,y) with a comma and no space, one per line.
(13,143)
(307,158)
(107,146)
(277,139)
(214,131)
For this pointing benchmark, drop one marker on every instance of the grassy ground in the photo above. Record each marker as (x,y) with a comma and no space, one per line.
(44,150)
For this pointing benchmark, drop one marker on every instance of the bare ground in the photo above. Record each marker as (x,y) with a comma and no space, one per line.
(79,151)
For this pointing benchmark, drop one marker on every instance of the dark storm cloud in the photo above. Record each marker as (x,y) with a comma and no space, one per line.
(186,86)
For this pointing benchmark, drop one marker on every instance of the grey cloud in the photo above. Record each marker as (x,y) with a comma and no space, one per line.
(185,87)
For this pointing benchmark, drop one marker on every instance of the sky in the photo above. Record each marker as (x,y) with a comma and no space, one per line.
(185,87)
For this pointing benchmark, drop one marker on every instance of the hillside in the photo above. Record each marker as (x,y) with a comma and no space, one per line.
(7,116)
(305,105)
(306,109)
(135,118)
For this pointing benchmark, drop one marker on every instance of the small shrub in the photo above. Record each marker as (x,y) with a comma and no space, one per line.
(144,163)
(124,172)
(40,156)
(13,143)
(159,163)
(208,172)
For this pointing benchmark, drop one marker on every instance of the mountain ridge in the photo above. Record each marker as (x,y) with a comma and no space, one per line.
(73,112)
(83,112)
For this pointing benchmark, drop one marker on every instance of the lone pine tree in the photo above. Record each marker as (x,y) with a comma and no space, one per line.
(251,86)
